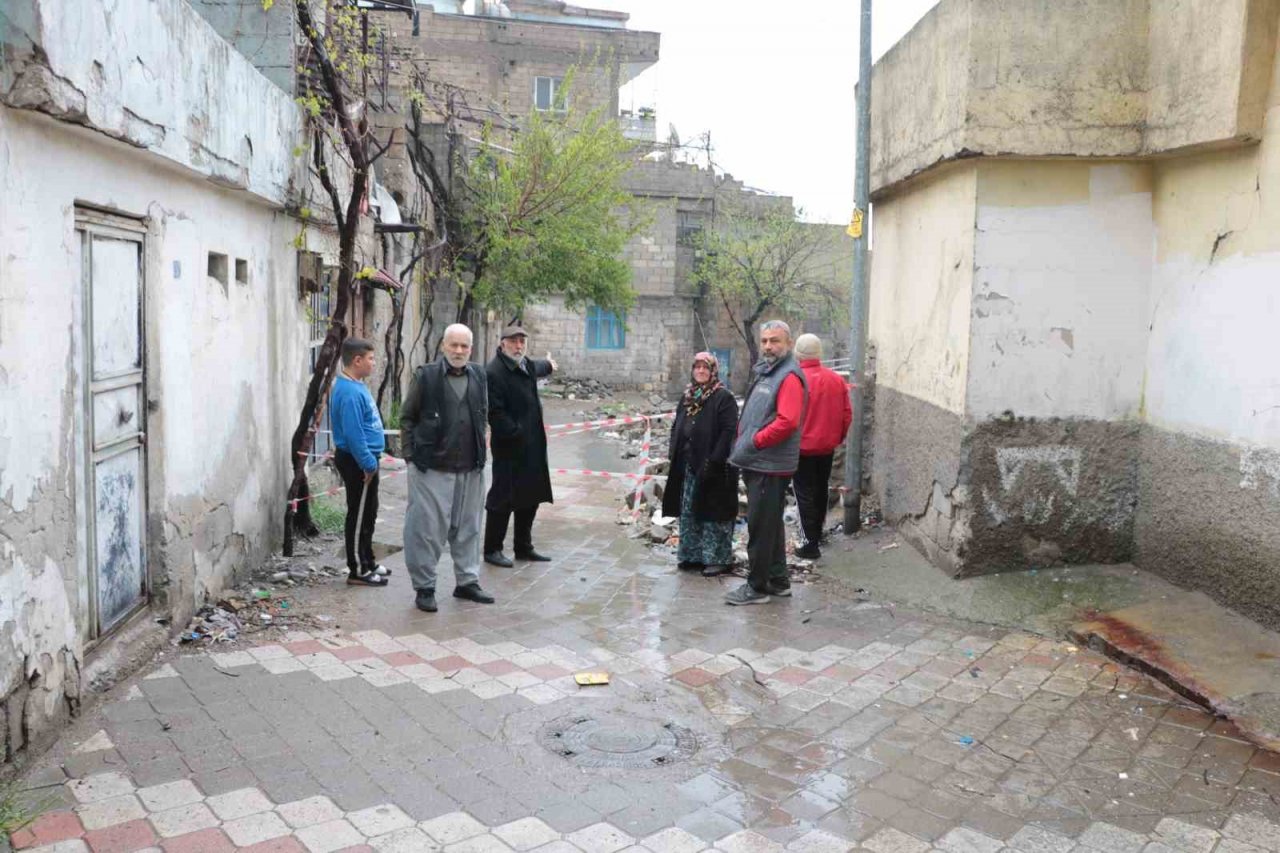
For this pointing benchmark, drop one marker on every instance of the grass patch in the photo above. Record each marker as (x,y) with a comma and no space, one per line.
(16,810)
(329,515)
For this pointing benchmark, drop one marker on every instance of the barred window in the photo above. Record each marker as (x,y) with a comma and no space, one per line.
(605,329)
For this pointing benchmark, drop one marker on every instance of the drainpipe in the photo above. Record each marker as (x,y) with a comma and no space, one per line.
(851,498)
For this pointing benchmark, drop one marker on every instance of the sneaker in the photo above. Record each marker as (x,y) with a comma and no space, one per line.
(426,600)
(746,595)
(809,551)
(780,590)
(379,570)
(473,592)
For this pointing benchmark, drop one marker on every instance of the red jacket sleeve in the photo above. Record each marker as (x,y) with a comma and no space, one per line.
(790,410)
(848,410)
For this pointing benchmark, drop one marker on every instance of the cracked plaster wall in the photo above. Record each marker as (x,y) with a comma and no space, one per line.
(1209,499)
(919,319)
(162,132)
(1120,375)
(222,121)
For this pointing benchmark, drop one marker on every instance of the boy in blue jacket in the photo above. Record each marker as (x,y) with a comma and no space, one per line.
(359,442)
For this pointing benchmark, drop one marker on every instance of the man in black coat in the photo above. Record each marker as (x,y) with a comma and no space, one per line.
(521,476)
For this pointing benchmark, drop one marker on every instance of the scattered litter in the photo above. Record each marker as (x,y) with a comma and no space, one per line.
(975,671)
(889,547)
(970,655)
(262,594)
(590,679)
(1124,775)
(1132,733)
(966,740)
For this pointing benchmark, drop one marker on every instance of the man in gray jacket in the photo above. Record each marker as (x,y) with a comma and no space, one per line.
(443,424)
(767,450)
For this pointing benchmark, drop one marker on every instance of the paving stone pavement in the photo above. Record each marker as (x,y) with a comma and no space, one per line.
(822,723)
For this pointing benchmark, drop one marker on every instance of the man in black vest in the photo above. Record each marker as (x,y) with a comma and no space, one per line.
(521,476)
(442,424)
(767,452)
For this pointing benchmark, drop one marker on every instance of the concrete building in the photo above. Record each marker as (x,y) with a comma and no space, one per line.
(1073,291)
(154,339)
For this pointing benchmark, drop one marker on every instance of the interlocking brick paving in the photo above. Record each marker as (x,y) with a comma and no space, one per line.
(822,722)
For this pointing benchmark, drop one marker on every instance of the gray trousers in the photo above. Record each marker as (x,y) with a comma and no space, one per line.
(443,506)
(766,533)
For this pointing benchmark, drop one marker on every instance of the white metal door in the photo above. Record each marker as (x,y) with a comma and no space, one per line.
(111,252)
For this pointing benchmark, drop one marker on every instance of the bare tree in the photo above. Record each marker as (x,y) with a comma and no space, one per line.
(759,257)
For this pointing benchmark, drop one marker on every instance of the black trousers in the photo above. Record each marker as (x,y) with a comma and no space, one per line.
(766,534)
(495,529)
(812,484)
(353,479)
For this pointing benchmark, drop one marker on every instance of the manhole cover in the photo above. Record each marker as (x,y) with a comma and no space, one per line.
(618,742)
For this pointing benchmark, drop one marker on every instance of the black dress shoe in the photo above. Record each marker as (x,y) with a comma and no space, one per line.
(473,592)
(690,566)
(426,600)
(532,556)
(808,551)
(497,558)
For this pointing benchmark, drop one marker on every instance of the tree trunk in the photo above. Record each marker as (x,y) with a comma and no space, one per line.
(297,509)
(753,349)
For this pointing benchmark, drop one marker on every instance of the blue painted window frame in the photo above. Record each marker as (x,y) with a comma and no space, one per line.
(605,329)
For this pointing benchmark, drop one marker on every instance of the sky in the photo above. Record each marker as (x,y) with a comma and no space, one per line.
(772,80)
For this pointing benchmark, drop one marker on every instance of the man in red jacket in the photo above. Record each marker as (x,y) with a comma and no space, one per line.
(825,424)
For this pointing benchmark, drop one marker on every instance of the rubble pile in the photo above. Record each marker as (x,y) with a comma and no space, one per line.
(259,604)
(577,389)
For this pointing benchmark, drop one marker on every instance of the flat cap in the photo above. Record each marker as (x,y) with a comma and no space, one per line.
(514,332)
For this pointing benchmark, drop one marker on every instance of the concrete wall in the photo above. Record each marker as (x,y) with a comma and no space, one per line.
(973,78)
(921,286)
(266,37)
(1061,281)
(185,136)
(1062,267)
(1118,374)
(1209,510)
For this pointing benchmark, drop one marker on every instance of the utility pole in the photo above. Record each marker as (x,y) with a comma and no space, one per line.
(851,498)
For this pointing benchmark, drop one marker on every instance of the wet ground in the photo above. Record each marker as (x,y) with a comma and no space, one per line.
(820,722)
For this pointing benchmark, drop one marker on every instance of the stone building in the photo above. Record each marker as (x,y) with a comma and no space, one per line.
(499,62)
(154,338)
(1073,291)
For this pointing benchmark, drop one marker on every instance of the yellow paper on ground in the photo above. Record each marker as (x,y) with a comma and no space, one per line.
(587,679)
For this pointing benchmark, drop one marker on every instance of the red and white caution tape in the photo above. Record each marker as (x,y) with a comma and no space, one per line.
(608,475)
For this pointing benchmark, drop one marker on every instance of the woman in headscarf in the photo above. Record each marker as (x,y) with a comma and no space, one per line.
(702,488)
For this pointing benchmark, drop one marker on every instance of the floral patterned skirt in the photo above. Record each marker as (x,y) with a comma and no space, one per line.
(706,542)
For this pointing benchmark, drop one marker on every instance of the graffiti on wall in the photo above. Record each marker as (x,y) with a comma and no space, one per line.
(1021,496)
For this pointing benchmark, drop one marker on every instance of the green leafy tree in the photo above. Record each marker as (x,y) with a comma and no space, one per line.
(758,257)
(546,215)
